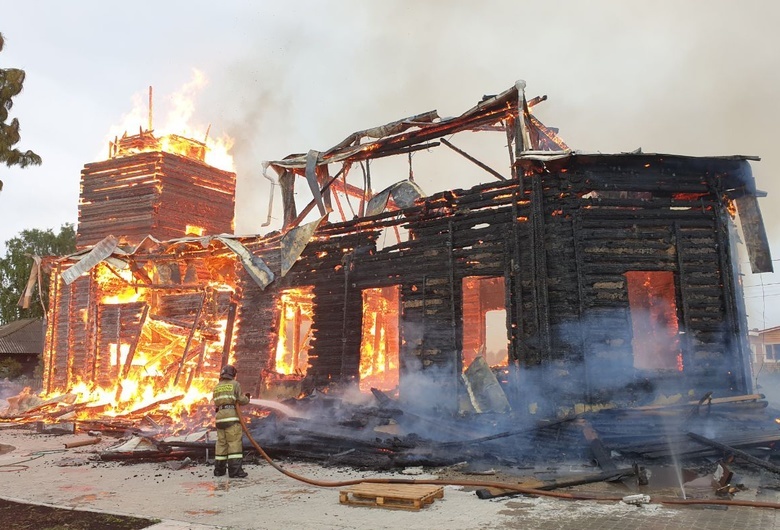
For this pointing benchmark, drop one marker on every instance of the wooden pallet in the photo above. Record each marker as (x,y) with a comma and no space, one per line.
(393,496)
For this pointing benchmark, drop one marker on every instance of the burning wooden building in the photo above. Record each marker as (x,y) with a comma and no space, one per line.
(113,325)
(600,276)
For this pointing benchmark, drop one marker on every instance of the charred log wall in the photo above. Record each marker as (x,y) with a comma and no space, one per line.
(327,265)
(153,193)
(257,322)
(641,214)
(563,238)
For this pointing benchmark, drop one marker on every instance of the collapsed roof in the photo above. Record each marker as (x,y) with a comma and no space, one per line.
(415,133)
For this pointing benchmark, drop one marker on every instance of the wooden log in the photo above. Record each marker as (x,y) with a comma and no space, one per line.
(130,354)
(482,165)
(563,482)
(81,443)
(695,403)
(597,447)
(189,339)
(149,456)
(231,318)
(150,407)
(738,453)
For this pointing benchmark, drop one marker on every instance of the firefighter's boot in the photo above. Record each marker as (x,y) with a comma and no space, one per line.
(235,470)
(220,467)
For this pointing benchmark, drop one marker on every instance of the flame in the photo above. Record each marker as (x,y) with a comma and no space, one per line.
(731,208)
(194,230)
(151,376)
(177,128)
(296,310)
(379,345)
(119,283)
(126,296)
(136,394)
(167,368)
(656,334)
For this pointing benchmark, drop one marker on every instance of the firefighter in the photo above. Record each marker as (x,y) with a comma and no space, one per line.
(229,450)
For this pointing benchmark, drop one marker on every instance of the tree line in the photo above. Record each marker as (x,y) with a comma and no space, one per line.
(16,264)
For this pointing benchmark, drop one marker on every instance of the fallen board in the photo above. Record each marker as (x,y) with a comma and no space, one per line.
(393,496)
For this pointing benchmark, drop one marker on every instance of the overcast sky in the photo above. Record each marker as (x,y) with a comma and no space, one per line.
(696,77)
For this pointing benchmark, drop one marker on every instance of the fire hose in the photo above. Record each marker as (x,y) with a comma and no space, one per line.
(487,484)
(20,466)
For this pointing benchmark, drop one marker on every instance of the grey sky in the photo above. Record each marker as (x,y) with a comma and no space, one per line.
(696,77)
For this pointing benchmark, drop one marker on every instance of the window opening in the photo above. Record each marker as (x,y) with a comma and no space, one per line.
(484,320)
(652,301)
(292,347)
(379,342)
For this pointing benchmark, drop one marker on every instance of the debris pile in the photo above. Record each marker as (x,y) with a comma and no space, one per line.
(706,438)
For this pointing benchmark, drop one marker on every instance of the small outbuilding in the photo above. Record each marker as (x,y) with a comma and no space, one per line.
(21,341)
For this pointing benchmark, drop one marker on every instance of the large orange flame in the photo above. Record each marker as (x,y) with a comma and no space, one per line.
(295,307)
(168,367)
(379,346)
(178,124)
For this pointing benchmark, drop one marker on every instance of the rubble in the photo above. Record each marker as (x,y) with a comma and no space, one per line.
(331,430)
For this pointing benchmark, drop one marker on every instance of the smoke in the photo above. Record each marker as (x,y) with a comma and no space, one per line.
(8,389)
(694,77)
(688,79)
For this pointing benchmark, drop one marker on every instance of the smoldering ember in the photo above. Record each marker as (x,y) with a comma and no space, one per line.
(578,307)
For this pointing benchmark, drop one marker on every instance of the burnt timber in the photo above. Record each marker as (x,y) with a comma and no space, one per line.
(567,291)
(565,236)
(153,193)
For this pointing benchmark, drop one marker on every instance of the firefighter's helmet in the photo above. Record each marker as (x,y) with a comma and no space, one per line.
(228,372)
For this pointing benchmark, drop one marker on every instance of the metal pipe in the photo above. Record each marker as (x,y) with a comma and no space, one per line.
(270,194)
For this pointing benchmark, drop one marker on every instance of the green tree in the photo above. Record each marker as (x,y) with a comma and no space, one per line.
(11,81)
(16,264)
(10,369)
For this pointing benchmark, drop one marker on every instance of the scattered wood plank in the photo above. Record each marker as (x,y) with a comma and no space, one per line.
(742,455)
(680,445)
(597,447)
(391,496)
(81,443)
(696,403)
(563,482)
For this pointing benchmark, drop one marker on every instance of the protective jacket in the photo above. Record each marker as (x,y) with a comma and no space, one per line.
(226,394)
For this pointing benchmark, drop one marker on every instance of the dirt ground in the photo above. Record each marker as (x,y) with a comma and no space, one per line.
(44,472)
(19,516)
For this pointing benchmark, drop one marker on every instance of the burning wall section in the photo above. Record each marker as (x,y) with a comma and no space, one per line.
(132,321)
(144,190)
(128,338)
